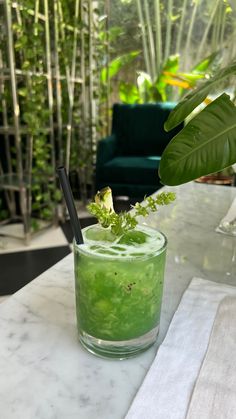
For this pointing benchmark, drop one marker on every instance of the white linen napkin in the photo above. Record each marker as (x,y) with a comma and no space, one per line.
(168,385)
(214,394)
(228,223)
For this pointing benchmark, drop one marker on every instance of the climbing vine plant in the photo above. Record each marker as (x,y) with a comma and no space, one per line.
(48,80)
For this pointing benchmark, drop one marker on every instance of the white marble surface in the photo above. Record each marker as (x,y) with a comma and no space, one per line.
(46,374)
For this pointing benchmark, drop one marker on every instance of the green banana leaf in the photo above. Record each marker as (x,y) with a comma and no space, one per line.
(191,77)
(117,64)
(203,65)
(206,145)
(128,93)
(172,64)
(197,96)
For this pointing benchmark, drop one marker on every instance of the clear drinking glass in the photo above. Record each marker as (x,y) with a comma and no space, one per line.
(119,288)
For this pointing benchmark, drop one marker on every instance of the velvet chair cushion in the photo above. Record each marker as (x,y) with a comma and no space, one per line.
(128,159)
(139,129)
(132,170)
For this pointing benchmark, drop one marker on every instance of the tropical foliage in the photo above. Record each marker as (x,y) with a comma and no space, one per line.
(160,90)
(170,31)
(207,144)
(48,99)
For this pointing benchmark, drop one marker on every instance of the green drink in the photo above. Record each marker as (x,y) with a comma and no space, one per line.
(119,283)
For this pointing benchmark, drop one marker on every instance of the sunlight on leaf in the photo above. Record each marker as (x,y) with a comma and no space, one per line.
(207,144)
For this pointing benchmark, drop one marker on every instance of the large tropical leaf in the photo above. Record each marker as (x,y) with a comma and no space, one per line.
(206,145)
(191,77)
(117,64)
(194,98)
(206,63)
(172,64)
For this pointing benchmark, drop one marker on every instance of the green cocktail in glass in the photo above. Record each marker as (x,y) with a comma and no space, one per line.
(119,283)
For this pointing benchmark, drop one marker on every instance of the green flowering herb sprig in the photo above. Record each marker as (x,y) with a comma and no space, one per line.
(125,221)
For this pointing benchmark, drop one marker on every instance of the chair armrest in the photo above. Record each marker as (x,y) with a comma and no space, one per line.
(106,150)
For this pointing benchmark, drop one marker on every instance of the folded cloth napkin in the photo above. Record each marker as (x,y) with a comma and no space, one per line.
(228,223)
(168,385)
(214,394)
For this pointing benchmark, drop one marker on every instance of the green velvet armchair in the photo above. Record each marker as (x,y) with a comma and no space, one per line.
(128,159)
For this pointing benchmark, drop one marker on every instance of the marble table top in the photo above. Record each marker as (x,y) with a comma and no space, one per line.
(44,371)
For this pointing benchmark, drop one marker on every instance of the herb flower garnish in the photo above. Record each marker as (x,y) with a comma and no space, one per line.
(120,223)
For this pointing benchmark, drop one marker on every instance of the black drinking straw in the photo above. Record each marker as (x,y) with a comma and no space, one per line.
(74,220)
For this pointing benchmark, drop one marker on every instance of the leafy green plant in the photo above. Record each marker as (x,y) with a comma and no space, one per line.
(161,89)
(196,97)
(51,120)
(35,112)
(110,68)
(207,144)
(117,64)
